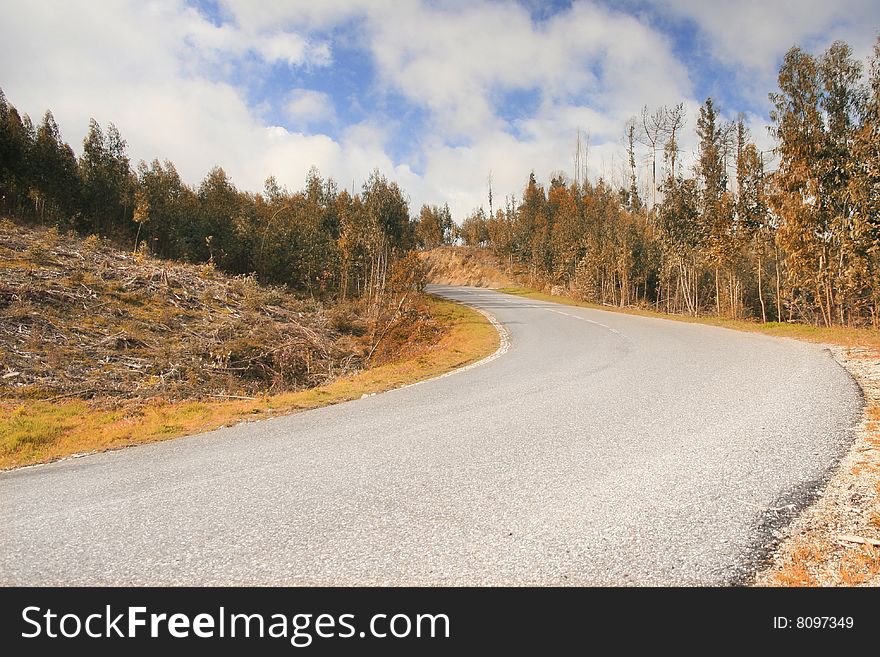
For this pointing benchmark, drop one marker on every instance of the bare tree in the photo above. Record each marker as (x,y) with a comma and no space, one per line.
(654,128)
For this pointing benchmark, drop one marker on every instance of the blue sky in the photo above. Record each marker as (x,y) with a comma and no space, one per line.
(436,94)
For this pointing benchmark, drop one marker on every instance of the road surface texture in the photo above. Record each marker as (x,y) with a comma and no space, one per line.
(601,448)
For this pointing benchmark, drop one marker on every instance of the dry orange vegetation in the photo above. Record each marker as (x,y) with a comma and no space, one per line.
(79,317)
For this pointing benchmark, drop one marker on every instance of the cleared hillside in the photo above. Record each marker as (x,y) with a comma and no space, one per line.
(79,317)
(465,265)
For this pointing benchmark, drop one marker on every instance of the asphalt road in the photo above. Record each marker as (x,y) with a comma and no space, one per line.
(600,449)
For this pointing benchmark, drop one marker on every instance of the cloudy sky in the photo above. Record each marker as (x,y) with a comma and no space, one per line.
(434,94)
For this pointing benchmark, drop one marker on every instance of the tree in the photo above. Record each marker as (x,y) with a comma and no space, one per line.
(717,207)
(653,133)
(160,189)
(796,199)
(863,189)
(815,123)
(434,226)
(16,144)
(219,203)
(567,240)
(751,209)
(474,229)
(388,232)
(352,243)
(533,236)
(55,184)
(633,201)
(107,182)
(842,101)
(683,239)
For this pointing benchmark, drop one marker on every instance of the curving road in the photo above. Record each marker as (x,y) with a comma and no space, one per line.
(600,449)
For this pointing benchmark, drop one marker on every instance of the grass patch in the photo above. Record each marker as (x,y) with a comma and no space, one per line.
(40,431)
(846,337)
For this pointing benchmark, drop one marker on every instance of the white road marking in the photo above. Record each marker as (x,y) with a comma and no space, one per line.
(584,319)
(503,346)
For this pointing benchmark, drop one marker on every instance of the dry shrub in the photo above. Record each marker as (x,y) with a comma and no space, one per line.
(91,244)
(409,274)
(37,253)
(347,318)
(468,265)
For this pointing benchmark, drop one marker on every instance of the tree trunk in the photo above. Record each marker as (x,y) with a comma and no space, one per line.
(761,291)
(778,287)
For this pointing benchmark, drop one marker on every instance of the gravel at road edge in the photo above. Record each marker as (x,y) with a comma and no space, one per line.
(810,550)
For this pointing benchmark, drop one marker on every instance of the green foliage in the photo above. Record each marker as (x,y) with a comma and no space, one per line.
(316,240)
(107,182)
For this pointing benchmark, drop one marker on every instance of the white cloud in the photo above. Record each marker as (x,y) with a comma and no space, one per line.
(456,59)
(257,16)
(151,70)
(304,106)
(166,75)
(453,58)
(750,37)
(756,33)
(288,48)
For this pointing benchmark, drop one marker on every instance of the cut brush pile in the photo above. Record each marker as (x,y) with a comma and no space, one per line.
(78,317)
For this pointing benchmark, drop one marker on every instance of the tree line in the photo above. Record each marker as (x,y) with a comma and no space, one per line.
(318,240)
(732,235)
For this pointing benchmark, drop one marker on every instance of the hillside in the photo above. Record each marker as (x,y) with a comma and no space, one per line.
(78,317)
(465,265)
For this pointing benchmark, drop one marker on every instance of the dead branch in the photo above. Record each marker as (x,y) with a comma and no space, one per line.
(861,540)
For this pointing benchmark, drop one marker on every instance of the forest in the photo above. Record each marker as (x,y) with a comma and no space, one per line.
(791,235)
(319,241)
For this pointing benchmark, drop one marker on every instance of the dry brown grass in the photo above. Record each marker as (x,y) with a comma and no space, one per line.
(80,318)
(797,572)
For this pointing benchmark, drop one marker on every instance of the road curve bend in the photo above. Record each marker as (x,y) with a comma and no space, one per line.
(601,448)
